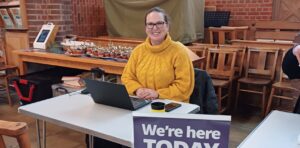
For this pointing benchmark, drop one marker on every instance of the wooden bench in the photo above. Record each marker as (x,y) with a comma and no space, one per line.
(280,31)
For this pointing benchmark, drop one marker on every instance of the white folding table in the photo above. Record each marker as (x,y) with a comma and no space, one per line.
(80,113)
(278,130)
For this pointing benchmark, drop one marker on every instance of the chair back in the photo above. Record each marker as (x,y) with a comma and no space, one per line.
(261,63)
(220,63)
(201,51)
(240,57)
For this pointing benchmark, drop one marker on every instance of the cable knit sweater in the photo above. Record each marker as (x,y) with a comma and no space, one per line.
(165,68)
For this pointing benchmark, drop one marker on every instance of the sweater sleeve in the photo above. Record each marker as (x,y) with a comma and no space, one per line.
(181,88)
(129,78)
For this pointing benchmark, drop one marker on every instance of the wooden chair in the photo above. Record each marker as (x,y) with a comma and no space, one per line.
(19,130)
(259,73)
(240,57)
(201,51)
(6,71)
(279,89)
(222,75)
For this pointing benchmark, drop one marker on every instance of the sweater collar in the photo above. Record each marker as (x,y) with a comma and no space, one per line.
(161,47)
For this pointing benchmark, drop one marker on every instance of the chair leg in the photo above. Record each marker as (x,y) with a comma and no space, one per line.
(7,92)
(229,96)
(279,99)
(237,96)
(219,99)
(24,141)
(263,106)
(2,144)
(270,101)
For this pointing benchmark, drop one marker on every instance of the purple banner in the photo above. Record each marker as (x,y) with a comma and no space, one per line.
(160,132)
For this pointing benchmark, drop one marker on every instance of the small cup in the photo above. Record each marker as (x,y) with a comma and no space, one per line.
(158,107)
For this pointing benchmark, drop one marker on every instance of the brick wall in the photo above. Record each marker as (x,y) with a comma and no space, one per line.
(40,12)
(244,9)
(84,18)
(88,18)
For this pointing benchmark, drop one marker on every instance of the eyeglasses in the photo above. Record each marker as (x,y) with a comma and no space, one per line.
(157,24)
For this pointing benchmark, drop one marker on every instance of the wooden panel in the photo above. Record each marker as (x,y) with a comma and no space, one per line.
(15,41)
(281,35)
(286,10)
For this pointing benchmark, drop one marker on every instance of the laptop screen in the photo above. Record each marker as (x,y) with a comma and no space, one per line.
(111,94)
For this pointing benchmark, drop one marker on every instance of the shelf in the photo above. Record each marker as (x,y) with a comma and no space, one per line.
(10,4)
(16,29)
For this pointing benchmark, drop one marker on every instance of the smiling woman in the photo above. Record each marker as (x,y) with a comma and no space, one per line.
(157,25)
(159,67)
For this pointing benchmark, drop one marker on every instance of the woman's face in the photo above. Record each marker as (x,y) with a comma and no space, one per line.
(156,27)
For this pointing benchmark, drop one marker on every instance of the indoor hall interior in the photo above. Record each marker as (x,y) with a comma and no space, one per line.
(86,35)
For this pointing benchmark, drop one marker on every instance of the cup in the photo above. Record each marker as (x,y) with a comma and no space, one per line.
(157,107)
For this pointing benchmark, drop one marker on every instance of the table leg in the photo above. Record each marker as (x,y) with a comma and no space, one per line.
(44,134)
(22,67)
(91,141)
(38,136)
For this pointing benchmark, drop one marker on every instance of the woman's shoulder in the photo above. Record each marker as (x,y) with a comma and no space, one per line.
(139,48)
(179,47)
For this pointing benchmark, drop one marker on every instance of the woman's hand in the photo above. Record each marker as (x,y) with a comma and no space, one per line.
(146,93)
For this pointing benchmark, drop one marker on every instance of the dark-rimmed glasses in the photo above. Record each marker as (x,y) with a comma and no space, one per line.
(157,24)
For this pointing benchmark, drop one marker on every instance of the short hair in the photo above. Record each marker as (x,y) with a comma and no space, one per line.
(160,10)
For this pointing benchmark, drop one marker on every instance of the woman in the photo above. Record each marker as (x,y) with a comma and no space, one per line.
(159,67)
(291,67)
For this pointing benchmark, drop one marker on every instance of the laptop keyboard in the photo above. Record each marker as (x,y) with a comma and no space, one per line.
(137,102)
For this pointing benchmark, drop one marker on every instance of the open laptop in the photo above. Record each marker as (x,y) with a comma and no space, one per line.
(113,95)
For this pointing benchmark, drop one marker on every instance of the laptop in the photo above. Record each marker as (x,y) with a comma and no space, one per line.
(113,94)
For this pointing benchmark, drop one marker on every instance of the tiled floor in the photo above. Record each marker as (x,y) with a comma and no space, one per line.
(60,137)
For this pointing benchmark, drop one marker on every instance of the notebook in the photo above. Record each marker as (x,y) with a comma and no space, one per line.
(113,95)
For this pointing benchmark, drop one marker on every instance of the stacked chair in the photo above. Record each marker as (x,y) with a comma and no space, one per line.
(259,74)
(220,66)
(6,72)
(282,90)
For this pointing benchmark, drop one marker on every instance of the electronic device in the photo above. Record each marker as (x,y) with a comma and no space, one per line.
(46,36)
(171,106)
(85,92)
(112,94)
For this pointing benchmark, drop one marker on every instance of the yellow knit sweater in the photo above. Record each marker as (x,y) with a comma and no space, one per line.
(165,68)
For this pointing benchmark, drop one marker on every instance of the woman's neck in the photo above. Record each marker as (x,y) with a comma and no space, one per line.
(154,43)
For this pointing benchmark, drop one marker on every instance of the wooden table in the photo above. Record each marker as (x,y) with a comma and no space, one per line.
(84,63)
(227,29)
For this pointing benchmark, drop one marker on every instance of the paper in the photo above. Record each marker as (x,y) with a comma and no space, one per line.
(6,18)
(16,16)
